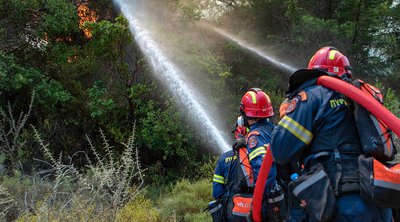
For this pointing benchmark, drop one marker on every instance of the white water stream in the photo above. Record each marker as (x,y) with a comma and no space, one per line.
(283,66)
(169,73)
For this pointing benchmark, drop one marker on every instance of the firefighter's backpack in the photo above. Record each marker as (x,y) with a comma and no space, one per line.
(379,183)
(375,137)
(240,203)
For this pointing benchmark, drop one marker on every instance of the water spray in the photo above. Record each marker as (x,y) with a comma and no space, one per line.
(171,75)
(283,66)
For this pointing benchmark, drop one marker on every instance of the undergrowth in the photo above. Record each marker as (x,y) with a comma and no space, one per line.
(186,201)
(66,193)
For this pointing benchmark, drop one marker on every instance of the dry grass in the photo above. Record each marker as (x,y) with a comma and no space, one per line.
(65,193)
(6,202)
(10,133)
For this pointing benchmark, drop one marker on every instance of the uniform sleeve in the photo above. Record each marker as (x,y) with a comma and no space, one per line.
(295,130)
(257,151)
(218,187)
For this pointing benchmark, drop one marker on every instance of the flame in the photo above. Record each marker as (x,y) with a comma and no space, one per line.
(86,15)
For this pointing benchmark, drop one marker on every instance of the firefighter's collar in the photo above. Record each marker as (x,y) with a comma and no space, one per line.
(263,121)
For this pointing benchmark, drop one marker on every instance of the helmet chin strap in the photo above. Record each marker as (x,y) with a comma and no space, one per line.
(346,77)
(244,119)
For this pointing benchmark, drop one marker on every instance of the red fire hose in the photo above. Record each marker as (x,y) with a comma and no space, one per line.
(373,106)
(260,185)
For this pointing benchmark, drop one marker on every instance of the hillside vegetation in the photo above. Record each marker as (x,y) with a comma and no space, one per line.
(88,134)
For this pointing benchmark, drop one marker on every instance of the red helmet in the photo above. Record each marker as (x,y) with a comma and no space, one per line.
(256,103)
(332,60)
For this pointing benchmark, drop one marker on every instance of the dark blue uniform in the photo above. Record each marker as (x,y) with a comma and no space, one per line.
(258,136)
(223,175)
(318,120)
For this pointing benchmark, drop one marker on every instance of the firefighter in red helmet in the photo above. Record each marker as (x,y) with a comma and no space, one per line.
(318,128)
(330,60)
(256,111)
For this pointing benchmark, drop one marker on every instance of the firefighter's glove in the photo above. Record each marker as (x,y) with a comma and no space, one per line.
(239,143)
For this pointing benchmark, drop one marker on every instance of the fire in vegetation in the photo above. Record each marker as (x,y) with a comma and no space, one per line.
(86,15)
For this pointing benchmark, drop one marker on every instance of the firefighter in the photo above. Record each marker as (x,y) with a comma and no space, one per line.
(318,128)
(256,110)
(225,166)
(223,174)
(236,172)
(221,185)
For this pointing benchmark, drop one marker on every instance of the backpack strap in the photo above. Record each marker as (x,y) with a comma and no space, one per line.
(246,166)
(229,184)
(338,162)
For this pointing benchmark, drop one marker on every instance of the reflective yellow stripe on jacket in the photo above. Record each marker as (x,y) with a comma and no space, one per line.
(258,151)
(296,129)
(219,179)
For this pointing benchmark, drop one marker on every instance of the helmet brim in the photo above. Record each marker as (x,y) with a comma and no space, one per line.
(302,75)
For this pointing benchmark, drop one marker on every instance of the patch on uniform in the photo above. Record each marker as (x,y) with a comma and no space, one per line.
(292,106)
(252,141)
(283,107)
(303,95)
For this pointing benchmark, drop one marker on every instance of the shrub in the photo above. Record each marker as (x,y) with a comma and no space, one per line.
(77,209)
(6,203)
(204,216)
(11,129)
(139,209)
(25,191)
(207,168)
(64,193)
(186,201)
(115,181)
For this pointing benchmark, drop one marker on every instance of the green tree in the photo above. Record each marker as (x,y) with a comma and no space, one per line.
(112,47)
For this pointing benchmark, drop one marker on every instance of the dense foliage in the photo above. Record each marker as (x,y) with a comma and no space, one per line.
(87,76)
